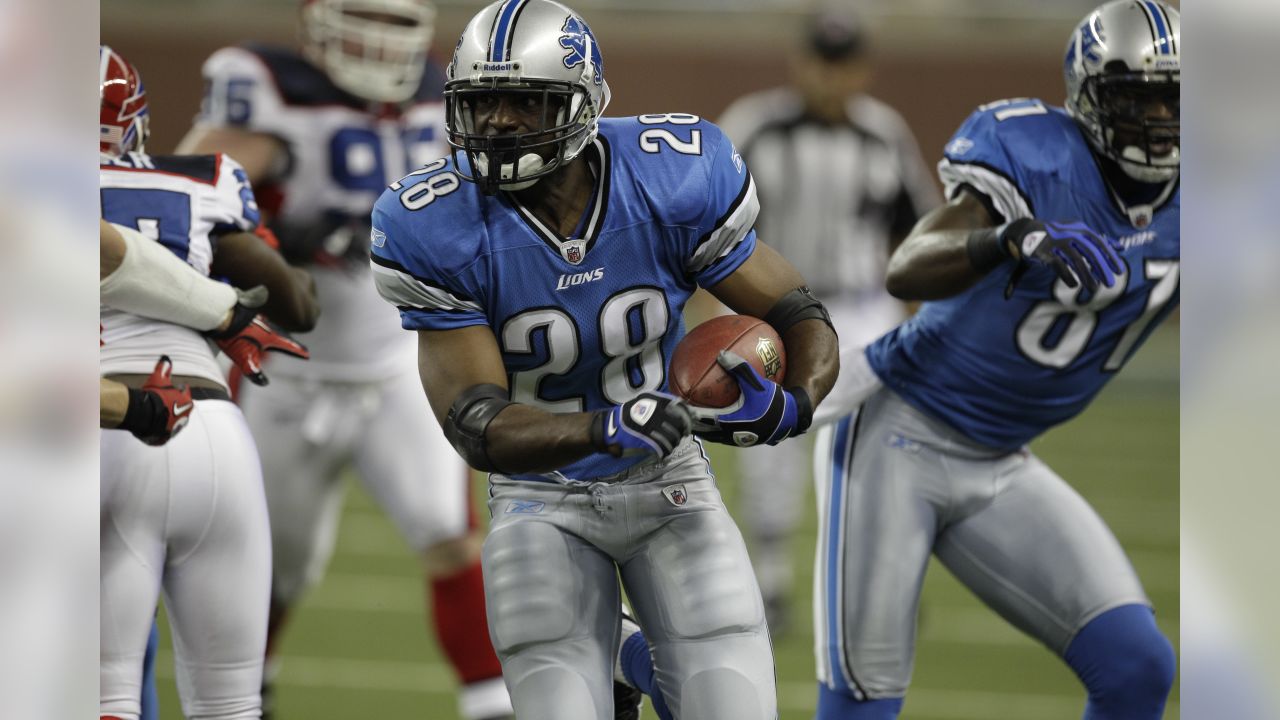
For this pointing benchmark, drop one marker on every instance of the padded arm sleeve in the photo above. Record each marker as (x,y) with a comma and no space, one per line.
(155,283)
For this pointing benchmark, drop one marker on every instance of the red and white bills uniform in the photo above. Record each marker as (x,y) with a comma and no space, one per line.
(358,399)
(188,518)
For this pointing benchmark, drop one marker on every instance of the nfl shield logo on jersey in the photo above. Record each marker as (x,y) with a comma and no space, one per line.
(676,494)
(573,252)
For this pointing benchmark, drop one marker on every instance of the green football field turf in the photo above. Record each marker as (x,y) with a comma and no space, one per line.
(359,648)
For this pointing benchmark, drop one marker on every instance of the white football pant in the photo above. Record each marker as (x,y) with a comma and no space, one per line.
(189,518)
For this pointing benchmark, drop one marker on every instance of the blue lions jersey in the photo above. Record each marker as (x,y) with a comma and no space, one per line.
(1000,370)
(588,321)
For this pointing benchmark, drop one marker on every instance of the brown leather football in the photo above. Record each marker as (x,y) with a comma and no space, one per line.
(697,377)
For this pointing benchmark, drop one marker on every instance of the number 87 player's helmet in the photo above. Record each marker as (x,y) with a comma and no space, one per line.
(1123,70)
(541,55)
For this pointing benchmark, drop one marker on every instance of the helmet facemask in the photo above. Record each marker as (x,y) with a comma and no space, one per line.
(373,49)
(1134,120)
(559,117)
(524,93)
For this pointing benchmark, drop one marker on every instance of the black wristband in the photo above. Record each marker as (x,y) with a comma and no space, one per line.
(597,430)
(987,249)
(804,409)
(241,316)
(145,416)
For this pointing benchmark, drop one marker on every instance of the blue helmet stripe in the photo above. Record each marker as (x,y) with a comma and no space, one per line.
(1163,41)
(1173,42)
(500,46)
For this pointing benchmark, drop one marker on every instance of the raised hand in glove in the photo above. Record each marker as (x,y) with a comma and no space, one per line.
(651,423)
(766,412)
(247,342)
(1074,252)
(159,410)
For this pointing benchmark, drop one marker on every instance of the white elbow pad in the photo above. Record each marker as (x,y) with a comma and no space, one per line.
(155,283)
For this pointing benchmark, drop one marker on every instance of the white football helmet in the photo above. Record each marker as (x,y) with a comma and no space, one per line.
(374,49)
(1124,71)
(536,48)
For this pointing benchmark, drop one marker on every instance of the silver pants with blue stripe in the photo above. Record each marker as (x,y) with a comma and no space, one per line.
(552,562)
(895,485)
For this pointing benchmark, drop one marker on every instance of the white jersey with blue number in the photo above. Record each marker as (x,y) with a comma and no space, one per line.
(588,321)
(182,202)
(342,153)
(1000,370)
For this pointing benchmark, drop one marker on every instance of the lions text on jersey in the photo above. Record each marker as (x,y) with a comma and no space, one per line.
(1003,370)
(183,203)
(588,321)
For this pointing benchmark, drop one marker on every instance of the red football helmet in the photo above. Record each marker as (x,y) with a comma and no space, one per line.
(124,123)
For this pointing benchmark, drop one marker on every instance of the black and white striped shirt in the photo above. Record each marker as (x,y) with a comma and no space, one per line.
(832,196)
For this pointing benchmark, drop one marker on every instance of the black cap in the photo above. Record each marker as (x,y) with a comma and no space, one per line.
(835,35)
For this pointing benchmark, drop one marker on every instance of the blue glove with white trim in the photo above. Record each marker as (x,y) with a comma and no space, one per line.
(651,423)
(766,412)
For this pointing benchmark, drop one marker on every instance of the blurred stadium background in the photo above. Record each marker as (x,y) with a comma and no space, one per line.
(359,647)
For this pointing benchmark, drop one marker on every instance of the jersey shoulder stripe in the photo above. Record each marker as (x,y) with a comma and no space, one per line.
(200,168)
(998,191)
(730,229)
(204,168)
(298,81)
(407,291)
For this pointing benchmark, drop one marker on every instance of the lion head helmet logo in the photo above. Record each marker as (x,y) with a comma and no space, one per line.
(575,39)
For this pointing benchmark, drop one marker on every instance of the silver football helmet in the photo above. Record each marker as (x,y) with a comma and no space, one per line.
(542,55)
(1123,70)
(373,49)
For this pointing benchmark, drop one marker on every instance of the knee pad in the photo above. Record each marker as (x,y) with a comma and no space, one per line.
(835,705)
(718,592)
(1126,664)
(554,694)
(530,586)
(725,693)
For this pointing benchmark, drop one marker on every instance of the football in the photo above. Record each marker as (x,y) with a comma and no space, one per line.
(699,379)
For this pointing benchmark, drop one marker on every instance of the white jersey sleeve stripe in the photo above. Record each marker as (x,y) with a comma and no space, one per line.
(729,232)
(404,290)
(1004,195)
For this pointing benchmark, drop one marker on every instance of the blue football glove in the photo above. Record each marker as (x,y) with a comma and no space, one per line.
(651,423)
(1073,251)
(765,413)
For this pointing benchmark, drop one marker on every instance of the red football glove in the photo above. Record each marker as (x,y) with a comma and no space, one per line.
(247,344)
(160,409)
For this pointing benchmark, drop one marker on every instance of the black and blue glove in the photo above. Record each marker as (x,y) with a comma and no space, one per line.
(651,423)
(765,413)
(1075,253)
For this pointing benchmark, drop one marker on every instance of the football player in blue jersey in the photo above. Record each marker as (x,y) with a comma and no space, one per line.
(1056,256)
(544,267)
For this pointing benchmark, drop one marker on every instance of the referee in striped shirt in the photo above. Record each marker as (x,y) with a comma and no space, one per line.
(841,182)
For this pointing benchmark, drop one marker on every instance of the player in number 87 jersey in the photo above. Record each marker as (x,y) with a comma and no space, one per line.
(1054,259)
(545,266)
